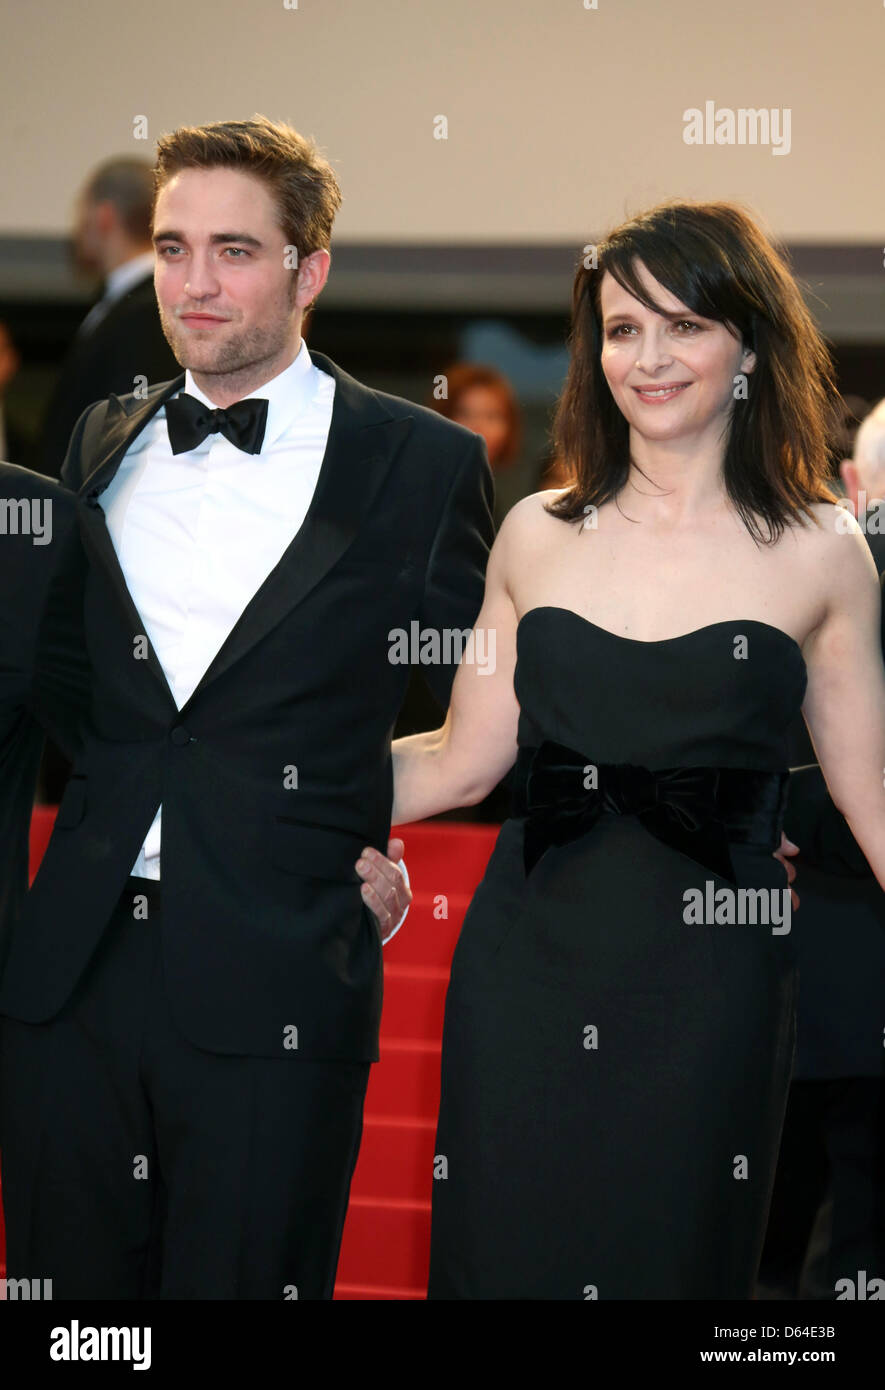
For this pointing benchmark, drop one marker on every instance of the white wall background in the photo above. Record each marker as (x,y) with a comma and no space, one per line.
(561,119)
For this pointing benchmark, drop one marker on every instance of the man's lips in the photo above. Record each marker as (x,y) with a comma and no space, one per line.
(201,318)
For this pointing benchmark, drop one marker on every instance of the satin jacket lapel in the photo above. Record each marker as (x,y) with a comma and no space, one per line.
(125,419)
(363,440)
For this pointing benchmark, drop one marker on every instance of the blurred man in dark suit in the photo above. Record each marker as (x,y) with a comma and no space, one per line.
(120,343)
(827,1220)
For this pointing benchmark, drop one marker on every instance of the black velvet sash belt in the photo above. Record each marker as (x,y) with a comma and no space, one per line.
(696,810)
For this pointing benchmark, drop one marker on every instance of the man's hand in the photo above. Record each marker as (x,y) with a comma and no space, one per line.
(787,847)
(385,891)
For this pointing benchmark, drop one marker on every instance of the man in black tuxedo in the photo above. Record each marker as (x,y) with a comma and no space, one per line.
(120,345)
(44,675)
(192,998)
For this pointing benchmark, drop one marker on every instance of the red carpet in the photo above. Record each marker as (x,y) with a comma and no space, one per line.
(385,1251)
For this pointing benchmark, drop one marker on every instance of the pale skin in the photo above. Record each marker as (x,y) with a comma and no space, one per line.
(222,254)
(684,561)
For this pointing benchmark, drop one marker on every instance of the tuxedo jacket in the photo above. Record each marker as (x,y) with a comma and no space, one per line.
(44,676)
(277,771)
(127,342)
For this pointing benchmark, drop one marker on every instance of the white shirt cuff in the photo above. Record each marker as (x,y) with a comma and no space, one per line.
(401,864)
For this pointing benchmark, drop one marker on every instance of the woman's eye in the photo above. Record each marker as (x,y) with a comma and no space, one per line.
(684,326)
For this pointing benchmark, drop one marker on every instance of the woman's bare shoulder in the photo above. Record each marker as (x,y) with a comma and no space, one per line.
(830,525)
(833,550)
(530,518)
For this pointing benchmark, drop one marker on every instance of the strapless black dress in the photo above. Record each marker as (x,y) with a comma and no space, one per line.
(615,1072)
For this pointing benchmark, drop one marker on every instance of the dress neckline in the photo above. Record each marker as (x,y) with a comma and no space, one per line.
(664,641)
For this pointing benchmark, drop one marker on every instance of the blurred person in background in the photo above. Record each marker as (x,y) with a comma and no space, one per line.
(15,446)
(482,399)
(827,1218)
(851,411)
(120,340)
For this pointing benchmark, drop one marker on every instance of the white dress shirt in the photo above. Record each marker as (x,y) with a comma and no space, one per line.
(197,533)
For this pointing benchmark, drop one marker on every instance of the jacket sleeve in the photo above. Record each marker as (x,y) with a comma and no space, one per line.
(455,579)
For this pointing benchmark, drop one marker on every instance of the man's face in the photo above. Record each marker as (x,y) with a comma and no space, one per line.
(87,244)
(228,302)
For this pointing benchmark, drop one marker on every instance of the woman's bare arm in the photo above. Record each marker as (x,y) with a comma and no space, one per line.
(459,763)
(844,705)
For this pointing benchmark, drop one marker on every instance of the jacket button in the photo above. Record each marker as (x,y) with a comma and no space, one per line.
(180,736)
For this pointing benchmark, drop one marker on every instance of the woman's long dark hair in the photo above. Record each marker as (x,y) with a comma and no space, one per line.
(713,258)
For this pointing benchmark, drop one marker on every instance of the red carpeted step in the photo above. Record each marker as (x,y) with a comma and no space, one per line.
(425,938)
(386,1244)
(414,1001)
(447,849)
(404,1084)
(396,1159)
(375,1291)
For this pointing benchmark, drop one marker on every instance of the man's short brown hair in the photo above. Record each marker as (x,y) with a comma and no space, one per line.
(301,182)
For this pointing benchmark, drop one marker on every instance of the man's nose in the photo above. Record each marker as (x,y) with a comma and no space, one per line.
(202,279)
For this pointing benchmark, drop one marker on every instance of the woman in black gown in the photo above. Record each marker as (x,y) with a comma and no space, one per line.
(620,1019)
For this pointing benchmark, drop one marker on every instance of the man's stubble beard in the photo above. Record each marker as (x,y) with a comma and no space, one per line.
(242,351)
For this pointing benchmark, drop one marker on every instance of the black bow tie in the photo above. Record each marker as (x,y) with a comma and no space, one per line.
(189,422)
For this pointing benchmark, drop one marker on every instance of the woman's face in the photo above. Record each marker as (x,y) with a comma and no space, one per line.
(671,378)
(481,409)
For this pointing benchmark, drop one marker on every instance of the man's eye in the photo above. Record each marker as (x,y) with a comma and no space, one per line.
(163,249)
(237,250)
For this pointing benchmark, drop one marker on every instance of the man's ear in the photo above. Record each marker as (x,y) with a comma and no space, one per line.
(848,474)
(312,275)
